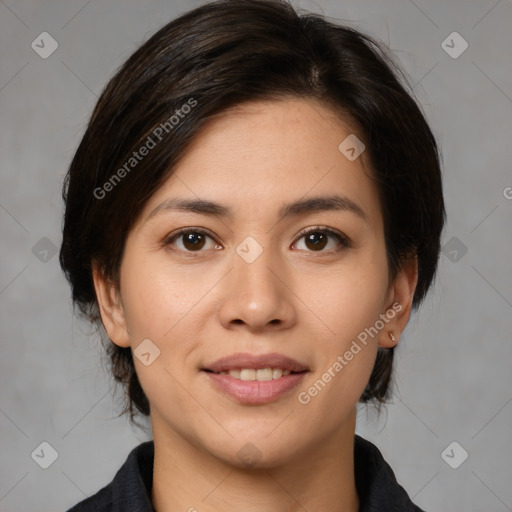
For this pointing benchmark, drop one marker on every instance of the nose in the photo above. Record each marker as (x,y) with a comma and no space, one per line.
(258,295)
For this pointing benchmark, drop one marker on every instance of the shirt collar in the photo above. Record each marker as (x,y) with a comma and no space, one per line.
(376,484)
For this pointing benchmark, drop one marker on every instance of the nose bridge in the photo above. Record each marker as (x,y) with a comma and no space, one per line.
(257,295)
(253,263)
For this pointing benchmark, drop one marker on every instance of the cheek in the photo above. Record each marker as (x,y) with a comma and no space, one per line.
(348,304)
(347,299)
(346,357)
(158,296)
(158,302)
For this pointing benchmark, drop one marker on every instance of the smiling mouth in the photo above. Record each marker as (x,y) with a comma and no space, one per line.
(255,386)
(259,374)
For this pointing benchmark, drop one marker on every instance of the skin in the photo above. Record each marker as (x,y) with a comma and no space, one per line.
(305,302)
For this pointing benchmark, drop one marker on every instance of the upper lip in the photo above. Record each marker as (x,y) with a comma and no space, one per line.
(255,361)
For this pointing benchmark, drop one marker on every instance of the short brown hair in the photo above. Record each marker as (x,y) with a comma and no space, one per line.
(223,54)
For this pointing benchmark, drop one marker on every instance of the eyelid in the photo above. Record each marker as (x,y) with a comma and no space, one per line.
(345,241)
(188,229)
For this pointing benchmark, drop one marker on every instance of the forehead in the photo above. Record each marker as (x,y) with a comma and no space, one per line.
(259,155)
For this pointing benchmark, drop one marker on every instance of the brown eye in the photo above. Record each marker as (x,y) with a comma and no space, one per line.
(316,239)
(189,240)
(193,241)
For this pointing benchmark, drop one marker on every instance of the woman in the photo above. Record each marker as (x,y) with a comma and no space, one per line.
(252,214)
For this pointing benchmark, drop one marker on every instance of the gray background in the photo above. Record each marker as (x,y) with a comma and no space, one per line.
(454,379)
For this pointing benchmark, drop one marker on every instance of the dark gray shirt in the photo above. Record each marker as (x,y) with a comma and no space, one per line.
(130,490)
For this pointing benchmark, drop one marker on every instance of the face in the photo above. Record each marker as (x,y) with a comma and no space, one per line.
(264,278)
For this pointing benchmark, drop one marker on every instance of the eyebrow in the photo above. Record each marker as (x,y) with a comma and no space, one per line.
(302,206)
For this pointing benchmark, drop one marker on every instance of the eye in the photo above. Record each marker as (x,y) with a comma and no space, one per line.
(316,239)
(192,240)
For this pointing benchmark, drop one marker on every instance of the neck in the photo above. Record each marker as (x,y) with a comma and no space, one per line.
(188,478)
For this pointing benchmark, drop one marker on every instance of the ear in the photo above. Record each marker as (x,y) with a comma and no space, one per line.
(399,306)
(111,309)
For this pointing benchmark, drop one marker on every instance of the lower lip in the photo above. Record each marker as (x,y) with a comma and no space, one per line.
(254,391)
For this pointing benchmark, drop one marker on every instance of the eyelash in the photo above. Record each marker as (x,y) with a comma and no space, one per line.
(343,240)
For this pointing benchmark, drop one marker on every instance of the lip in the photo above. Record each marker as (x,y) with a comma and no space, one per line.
(252,391)
(255,392)
(255,361)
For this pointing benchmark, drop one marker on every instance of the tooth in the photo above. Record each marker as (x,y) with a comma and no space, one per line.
(248,374)
(260,374)
(264,374)
(277,373)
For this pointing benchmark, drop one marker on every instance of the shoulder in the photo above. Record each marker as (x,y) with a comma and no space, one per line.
(376,484)
(129,490)
(99,502)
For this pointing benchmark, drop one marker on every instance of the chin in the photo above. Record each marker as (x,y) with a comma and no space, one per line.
(255,452)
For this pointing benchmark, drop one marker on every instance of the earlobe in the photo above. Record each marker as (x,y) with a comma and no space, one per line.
(400,305)
(111,309)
